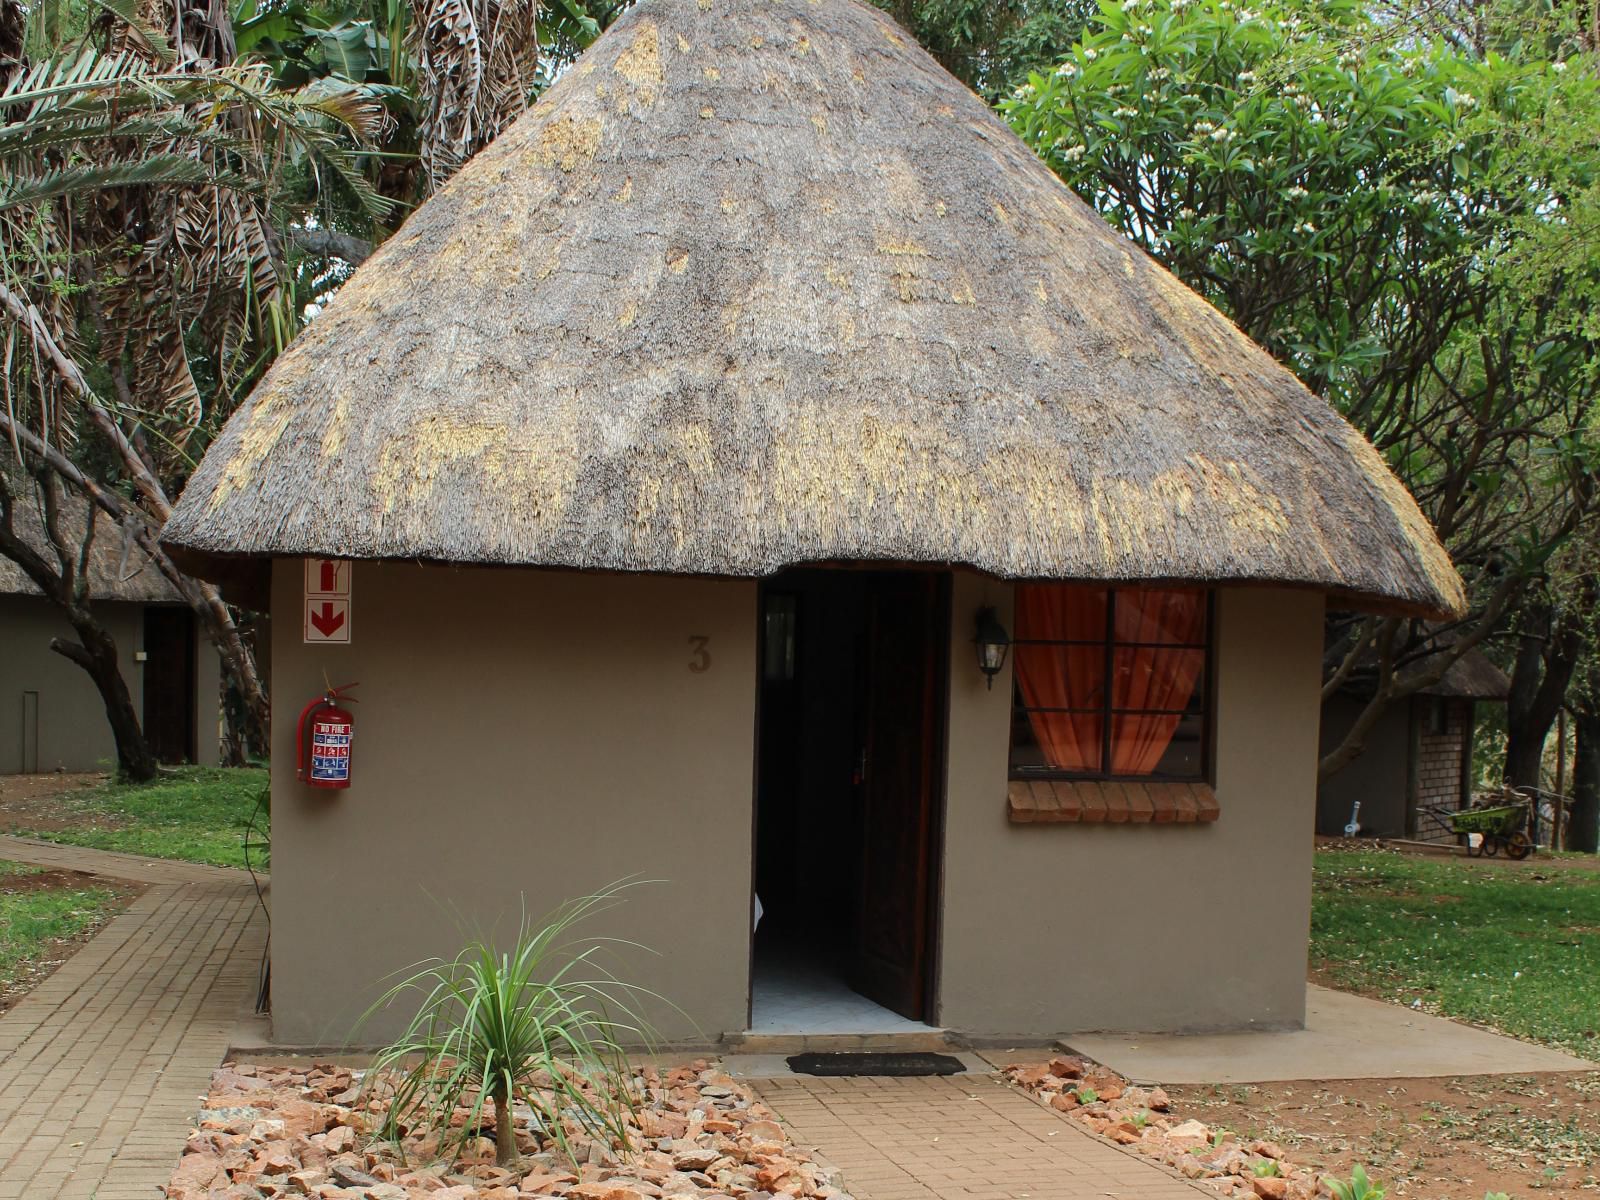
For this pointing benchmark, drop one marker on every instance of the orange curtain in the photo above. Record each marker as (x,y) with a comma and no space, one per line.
(1154,676)
(1062,676)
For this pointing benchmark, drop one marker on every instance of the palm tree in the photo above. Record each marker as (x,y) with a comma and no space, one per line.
(141,190)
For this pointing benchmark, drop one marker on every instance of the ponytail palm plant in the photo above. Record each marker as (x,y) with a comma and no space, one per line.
(542,1023)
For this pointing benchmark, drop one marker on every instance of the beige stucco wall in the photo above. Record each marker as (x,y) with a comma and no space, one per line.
(208,730)
(72,733)
(1055,928)
(519,735)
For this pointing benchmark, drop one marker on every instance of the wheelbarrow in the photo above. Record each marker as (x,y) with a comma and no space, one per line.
(1496,825)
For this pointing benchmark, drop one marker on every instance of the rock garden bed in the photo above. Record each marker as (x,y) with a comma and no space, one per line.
(280,1131)
(1142,1120)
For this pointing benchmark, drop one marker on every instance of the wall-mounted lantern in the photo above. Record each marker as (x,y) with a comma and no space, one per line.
(992,641)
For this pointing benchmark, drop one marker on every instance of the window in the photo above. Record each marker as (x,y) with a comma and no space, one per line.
(1152,646)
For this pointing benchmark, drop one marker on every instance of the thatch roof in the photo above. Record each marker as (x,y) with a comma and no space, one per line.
(118,568)
(758,283)
(1472,677)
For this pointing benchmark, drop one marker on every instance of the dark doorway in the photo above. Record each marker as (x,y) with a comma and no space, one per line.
(848,802)
(169,683)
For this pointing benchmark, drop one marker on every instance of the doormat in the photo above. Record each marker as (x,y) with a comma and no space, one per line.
(875,1064)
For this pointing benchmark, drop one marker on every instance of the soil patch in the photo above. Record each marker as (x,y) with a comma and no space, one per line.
(42,801)
(1445,1139)
(1452,1138)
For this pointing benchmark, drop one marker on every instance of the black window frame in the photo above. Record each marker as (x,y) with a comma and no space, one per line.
(1106,711)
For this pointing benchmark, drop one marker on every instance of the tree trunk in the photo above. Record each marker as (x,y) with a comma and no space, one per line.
(63,578)
(1539,682)
(1583,822)
(96,652)
(505,1134)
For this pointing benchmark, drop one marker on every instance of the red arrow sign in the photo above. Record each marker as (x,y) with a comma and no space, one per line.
(327,621)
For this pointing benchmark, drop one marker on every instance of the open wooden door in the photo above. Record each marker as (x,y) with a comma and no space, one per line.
(899,774)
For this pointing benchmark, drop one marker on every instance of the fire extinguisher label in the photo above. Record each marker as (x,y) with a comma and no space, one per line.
(330,752)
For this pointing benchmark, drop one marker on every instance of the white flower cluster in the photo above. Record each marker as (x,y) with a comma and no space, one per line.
(1125,111)
(1160,73)
(1246,77)
(1090,53)
(1186,213)
(1296,192)
(1204,127)
(1463,99)
(1305,227)
(1073,153)
(1558,67)
(1067,70)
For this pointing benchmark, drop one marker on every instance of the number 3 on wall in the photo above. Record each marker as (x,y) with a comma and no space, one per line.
(700,660)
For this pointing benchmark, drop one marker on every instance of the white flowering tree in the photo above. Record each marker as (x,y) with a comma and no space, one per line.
(1372,199)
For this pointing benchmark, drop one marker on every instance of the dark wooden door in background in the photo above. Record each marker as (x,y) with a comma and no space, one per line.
(902,739)
(169,683)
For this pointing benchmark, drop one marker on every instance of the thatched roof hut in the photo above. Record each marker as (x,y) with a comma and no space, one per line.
(118,568)
(759,283)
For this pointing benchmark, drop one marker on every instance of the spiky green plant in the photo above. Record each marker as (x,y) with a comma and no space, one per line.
(1358,1187)
(544,1023)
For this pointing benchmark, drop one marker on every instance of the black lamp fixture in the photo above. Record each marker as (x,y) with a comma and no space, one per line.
(992,641)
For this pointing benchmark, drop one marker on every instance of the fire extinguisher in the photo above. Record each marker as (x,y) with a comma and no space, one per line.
(332,730)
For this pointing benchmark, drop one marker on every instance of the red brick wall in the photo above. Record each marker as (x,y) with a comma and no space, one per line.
(1439,766)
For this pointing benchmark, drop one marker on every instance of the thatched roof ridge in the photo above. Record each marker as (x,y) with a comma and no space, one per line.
(758,283)
(118,568)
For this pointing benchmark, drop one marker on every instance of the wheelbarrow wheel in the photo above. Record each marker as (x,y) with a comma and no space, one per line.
(1491,845)
(1519,845)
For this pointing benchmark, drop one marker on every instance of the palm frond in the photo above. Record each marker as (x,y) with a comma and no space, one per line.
(157,169)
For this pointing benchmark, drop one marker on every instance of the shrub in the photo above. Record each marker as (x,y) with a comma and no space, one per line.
(533,1024)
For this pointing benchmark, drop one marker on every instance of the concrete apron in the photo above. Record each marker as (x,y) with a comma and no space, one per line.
(1346,1037)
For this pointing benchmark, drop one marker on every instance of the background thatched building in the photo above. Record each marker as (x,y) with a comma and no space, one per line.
(1417,757)
(51,716)
(783,357)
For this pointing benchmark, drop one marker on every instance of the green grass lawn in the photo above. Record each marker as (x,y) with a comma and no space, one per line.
(33,920)
(194,813)
(1516,949)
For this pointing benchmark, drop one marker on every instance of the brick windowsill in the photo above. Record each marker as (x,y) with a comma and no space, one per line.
(1045,801)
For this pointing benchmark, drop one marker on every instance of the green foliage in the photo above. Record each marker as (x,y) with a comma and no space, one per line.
(31,919)
(534,1025)
(198,814)
(1086,1095)
(1351,198)
(1503,947)
(1357,1187)
(1266,1168)
(990,44)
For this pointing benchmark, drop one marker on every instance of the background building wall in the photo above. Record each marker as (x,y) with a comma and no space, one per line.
(1060,928)
(1378,777)
(522,737)
(71,733)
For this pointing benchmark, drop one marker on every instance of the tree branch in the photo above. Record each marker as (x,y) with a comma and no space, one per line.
(332,244)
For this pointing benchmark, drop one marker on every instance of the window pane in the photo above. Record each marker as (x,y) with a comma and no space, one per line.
(1061,676)
(1060,612)
(1151,677)
(1050,742)
(1158,746)
(1161,615)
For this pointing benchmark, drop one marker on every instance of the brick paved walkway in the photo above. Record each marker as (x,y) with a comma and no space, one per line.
(103,1064)
(967,1137)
